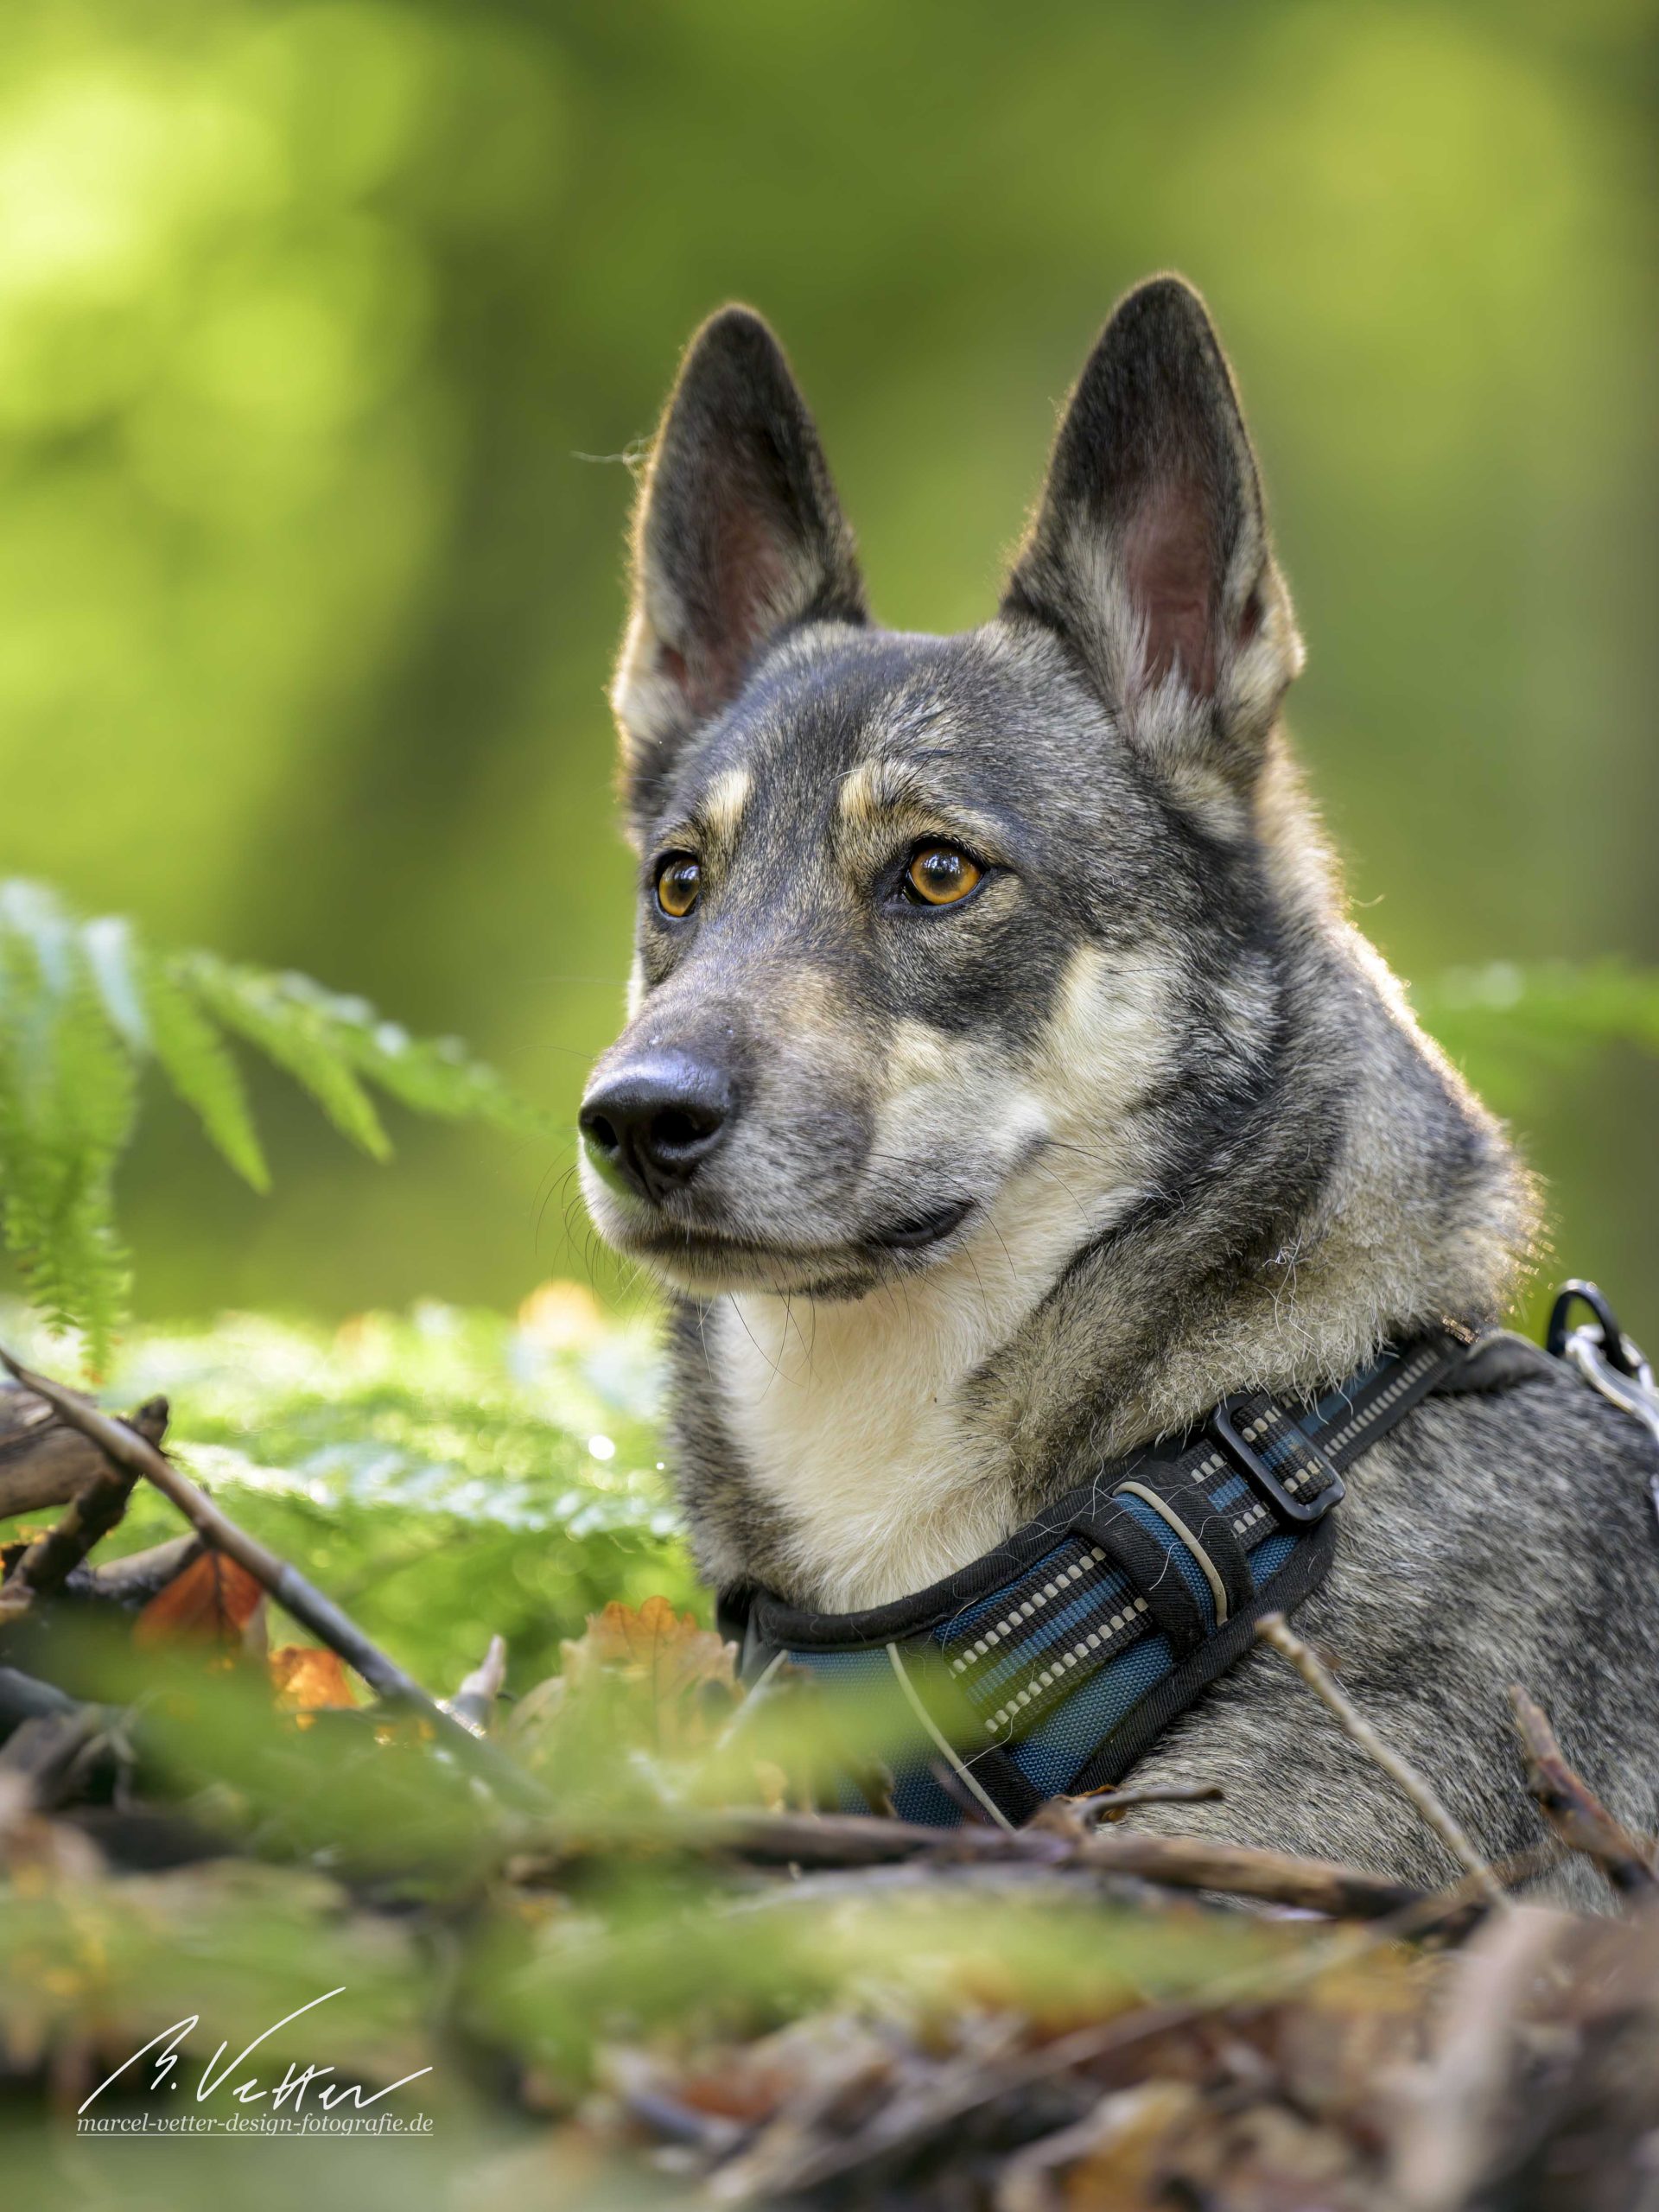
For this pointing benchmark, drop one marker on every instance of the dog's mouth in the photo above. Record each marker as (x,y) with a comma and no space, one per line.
(919,1231)
(706,1259)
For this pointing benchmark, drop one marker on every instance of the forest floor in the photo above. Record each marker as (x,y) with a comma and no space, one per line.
(570,1925)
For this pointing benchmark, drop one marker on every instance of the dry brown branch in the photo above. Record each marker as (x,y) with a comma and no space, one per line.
(296,1596)
(1270,1877)
(1108,1804)
(849,1839)
(24,1698)
(89,1517)
(1275,1630)
(1574,1811)
(45,1748)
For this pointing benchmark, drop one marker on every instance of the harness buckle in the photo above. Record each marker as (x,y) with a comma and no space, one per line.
(1302,1512)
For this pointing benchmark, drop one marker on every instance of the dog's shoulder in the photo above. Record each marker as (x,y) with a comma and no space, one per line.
(1499,1535)
(1506,1521)
(1519,1434)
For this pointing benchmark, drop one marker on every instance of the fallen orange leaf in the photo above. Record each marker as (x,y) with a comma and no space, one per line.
(212,1601)
(650,1677)
(306,1678)
(654,1645)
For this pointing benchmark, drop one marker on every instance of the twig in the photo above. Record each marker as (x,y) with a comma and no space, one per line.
(1574,1811)
(286,1584)
(1106,1804)
(91,1515)
(22,1698)
(1270,1877)
(473,1703)
(1274,1629)
(1451,1913)
(46,1747)
(850,1840)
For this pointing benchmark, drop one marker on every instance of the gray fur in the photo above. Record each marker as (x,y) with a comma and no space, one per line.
(1494,1538)
(1200,1142)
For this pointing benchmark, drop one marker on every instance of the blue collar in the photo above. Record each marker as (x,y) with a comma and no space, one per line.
(1048,1666)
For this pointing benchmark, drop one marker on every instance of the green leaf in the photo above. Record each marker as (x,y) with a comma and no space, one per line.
(199,1065)
(286,1028)
(437,1077)
(114,960)
(68,1102)
(85,1004)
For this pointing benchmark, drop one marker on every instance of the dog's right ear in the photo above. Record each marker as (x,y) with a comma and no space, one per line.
(738,534)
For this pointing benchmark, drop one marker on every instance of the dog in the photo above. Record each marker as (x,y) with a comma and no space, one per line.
(1004,1083)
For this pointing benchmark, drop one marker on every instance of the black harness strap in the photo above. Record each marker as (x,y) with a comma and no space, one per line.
(1054,1661)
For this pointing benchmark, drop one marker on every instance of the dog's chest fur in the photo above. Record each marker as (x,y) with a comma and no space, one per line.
(858,1420)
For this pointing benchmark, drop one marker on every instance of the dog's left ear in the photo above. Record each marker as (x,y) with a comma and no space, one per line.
(737,537)
(1149,554)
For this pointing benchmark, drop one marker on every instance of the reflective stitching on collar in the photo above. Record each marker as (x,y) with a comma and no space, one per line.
(1063,1580)
(1064,1664)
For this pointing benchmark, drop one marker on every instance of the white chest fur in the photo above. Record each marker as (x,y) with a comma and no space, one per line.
(854,1417)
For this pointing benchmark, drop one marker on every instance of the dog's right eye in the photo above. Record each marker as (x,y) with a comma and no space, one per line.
(940,876)
(679,880)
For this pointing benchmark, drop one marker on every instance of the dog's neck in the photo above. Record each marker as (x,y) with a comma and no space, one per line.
(847,1453)
(860,1422)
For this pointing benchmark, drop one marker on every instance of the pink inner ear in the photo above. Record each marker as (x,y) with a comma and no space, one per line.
(1170,562)
(748,581)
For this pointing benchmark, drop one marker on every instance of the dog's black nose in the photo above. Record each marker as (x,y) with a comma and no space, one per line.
(655,1122)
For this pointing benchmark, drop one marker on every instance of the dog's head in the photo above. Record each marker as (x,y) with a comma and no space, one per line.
(932,927)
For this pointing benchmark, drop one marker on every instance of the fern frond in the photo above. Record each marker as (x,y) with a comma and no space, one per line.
(114,962)
(197,1062)
(432,1076)
(267,1011)
(85,1004)
(154,1017)
(67,1100)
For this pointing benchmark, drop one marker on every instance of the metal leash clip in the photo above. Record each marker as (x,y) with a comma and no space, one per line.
(1606,1359)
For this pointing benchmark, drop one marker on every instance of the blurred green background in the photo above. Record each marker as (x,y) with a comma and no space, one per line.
(325,331)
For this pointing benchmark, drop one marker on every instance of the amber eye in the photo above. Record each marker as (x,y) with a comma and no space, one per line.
(679,880)
(940,875)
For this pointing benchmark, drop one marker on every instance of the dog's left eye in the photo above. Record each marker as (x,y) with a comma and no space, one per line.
(938,875)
